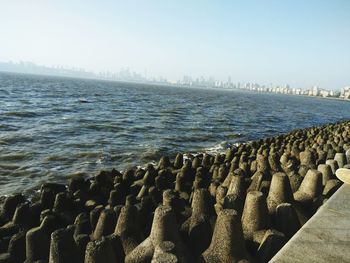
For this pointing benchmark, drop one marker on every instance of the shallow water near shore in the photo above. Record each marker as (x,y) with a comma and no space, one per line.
(51,128)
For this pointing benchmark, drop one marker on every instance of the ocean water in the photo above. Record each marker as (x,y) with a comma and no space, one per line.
(51,127)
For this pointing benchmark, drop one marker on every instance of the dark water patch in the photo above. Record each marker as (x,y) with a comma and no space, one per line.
(8,127)
(56,158)
(61,109)
(234,135)
(4,92)
(79,145)
(25,101)
(20,114)
(88,155)
(6,167)
(82,100)
(14,157)
(15,138)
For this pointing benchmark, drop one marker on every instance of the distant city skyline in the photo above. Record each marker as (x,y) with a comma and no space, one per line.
(128,75)
(302,43)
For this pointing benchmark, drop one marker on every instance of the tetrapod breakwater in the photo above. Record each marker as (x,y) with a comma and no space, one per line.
(240,206)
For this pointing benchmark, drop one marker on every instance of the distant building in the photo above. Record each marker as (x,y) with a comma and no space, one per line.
(296,91)
(345,93)
(314,91)
(326,93)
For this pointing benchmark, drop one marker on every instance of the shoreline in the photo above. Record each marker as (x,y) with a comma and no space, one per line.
(291,95)
(263,191)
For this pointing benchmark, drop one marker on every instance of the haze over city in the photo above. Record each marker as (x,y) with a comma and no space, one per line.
(302,43)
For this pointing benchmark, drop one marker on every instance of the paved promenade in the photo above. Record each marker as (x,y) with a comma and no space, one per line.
(325,237)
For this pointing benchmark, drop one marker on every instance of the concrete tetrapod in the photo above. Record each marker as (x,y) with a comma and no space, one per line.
(271,243)
(333,164)
(96,202)
(331,187)
(255,214)
(235,194)
(126,228)
(199,228)
(347,154)
(99,251)
(17,247)
(307,159)
(287,220)
(164,258)
(310,188)
(263,164)
(326,171)
(38,241)
(62,247)
(227,243)
(179,160)
(10,205)
(163,253)
(280,192)
(164,228)
(341,159)
(105,224)
(255,184)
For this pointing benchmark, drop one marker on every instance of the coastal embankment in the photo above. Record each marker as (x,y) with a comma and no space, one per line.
(51,128)
(240,206)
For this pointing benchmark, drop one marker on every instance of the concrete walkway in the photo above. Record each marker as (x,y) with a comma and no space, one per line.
(325,237)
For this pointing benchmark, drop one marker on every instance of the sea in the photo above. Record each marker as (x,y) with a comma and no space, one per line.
(53,128)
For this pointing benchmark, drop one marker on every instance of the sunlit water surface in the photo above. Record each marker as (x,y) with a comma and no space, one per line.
(51,128)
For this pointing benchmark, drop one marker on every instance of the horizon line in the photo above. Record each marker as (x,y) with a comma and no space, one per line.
(73,72)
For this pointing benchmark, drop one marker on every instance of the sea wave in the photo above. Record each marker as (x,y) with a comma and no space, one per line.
(21,114)
(47,133)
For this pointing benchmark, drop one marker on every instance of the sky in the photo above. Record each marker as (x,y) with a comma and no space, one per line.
(295,42)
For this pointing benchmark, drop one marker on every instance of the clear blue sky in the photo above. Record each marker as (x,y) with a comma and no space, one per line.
(298,42)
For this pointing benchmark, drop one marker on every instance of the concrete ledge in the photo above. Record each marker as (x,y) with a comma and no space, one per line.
(325,237)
